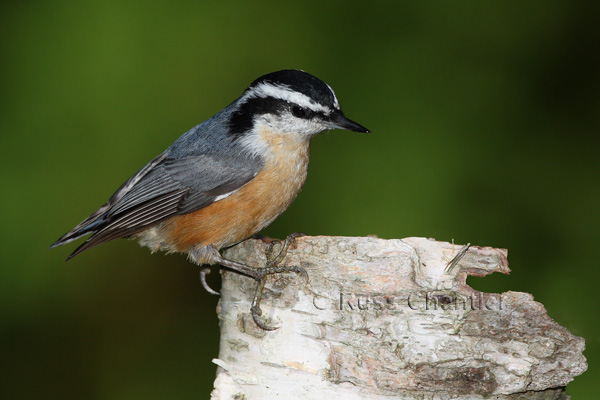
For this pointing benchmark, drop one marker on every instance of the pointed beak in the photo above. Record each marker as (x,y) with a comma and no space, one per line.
(337,120)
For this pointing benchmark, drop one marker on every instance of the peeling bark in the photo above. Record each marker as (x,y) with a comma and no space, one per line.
(383,319)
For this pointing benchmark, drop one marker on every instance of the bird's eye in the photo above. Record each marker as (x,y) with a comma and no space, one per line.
(299,112)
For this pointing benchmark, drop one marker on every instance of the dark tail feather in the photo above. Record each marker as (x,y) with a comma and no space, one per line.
(98,237)
(105,227)
(91,224)
(74,235)
(70,236)
(77,251)
(84,246)
(101,237)
(129,222)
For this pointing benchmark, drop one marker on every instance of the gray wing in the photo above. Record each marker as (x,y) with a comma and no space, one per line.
(164,187)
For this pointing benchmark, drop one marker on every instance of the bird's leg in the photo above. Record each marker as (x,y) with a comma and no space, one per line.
(261,274)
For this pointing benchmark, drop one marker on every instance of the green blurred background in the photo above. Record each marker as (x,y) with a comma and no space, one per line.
(485,120)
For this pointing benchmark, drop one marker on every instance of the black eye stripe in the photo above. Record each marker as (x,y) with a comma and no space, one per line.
(243,119)
(299,112)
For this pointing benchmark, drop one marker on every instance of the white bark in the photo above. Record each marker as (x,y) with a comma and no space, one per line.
(383,319)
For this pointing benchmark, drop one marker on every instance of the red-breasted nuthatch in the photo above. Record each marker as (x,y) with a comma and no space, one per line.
(225,179)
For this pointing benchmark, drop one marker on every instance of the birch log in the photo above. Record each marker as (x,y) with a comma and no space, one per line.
(387,319)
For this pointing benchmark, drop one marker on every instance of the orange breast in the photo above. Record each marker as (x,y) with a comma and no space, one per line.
(246,211)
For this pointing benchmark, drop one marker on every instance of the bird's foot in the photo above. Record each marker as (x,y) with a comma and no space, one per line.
(271,268)
(260,274)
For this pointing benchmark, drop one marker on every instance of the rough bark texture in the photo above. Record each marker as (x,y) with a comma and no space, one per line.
(383,319)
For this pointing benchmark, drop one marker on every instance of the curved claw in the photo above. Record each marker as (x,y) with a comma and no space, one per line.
(274,261)
(286,243)
(255,308)
(256,313)
(450,266)
(203,272)
(262,279)
(300,271)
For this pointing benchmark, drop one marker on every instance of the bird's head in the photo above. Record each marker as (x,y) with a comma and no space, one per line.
(289,102)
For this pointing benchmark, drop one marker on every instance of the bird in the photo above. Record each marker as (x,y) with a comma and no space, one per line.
(225,179)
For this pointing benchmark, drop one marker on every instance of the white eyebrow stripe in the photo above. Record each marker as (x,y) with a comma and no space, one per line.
(336,104)
(284,93)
